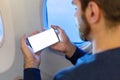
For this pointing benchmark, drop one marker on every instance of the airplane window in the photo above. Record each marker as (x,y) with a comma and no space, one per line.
(1,32)
(61,13)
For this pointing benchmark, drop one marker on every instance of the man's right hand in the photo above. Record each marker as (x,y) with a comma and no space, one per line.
(31,59)
(64,45)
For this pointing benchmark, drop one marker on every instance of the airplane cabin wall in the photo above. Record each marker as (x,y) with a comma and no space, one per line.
(19,17)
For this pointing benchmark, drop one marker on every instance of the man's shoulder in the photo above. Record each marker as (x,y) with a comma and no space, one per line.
(92,67)
(111,54)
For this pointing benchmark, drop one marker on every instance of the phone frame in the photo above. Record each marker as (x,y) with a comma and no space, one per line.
(47,45)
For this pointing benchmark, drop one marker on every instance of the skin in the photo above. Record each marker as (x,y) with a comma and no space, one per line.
(32,60)
(93,27)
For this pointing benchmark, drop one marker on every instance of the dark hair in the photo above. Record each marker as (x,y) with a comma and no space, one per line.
(110,8)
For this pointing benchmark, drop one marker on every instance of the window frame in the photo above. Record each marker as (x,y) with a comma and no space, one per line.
(2,31)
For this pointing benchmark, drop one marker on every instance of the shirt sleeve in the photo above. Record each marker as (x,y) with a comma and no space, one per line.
(32,74)
(78,53)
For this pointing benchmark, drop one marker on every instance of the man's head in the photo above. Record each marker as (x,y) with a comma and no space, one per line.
(92,12)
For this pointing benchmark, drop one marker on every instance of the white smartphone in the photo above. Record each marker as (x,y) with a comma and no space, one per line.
(42,40)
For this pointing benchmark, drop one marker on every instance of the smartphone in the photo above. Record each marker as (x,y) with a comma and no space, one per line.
(42,40)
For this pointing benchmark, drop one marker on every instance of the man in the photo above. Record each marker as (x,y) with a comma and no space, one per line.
(99,22)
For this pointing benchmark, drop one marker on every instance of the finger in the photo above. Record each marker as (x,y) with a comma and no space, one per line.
(57,28)
(26,50)
(43,29)
(38,53)
(23,41)
(23,44)
(35,32)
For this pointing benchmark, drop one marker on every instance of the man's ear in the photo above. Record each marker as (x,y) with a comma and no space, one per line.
(92,13)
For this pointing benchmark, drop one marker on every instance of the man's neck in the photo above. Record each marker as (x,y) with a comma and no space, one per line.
(107,40)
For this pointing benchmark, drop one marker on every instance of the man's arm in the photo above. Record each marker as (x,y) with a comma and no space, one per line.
(78,53)
(32,74)
(31,62)
(65,46)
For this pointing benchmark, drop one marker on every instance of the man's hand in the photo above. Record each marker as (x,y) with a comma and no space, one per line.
(64,45)
(31,60)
